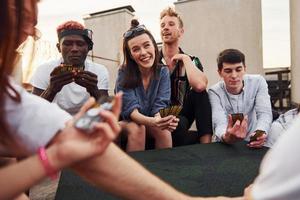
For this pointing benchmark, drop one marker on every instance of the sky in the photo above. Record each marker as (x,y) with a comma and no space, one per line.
(51,15)
(276,33)
(276,36)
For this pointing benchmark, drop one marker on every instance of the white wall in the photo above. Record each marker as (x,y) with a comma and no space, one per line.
(108,29)
(295,48)
(214,25)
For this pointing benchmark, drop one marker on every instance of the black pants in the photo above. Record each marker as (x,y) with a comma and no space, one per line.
(196,107)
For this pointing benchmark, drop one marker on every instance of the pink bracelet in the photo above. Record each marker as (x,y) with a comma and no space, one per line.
(50,171)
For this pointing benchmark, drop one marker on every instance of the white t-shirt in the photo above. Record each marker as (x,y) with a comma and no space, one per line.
(34,121)
(72,96)
(279,176)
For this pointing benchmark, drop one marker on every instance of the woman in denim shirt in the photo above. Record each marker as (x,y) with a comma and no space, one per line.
(146,89)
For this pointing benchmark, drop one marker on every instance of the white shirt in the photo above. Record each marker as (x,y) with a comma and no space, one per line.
(72,96)
(253,101)
(34,121)
(279,177)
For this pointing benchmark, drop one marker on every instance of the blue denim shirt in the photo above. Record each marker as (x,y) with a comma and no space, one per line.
(254,101)
(147,102)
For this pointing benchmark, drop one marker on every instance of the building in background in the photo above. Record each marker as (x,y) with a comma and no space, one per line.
(210,26)
(108,27)
(214,25)
(208,30)
(295,49)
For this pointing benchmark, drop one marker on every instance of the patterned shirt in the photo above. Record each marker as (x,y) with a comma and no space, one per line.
(179,82)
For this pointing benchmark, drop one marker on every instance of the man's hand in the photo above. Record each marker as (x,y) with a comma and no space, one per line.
(58,81)
(259,142)
(196,77)
(235,132)
(181,57)
(89,81)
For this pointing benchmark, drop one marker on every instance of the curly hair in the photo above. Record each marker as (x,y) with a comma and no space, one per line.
(169,11)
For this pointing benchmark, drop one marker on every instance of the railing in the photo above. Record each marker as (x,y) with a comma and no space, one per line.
(280,89)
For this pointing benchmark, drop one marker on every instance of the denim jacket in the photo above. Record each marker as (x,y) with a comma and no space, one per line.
(147,102)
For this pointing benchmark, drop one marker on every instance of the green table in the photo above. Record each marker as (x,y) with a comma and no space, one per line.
(202,169)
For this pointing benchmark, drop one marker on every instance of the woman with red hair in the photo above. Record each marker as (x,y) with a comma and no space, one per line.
(29,124)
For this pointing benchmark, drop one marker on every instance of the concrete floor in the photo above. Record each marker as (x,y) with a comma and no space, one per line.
(46,190)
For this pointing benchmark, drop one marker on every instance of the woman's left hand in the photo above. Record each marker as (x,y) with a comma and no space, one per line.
(169,122)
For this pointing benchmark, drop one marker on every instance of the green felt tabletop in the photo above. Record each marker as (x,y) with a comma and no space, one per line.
(202,169)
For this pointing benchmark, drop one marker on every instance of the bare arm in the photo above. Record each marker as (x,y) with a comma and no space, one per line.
(169,122)
(46,94)
(139,118)
(17,178)
(73,147)
(57,82)
(136,181)
(89,81)
(49,94)
(196,77)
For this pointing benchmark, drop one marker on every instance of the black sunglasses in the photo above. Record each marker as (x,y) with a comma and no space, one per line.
(133,32)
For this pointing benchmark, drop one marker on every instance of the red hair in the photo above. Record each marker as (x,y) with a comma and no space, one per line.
(70,25)
(15,16)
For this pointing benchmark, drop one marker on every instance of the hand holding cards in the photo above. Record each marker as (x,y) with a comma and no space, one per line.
(85,122)
(237,116)
(258,133)
(172,110)
(66,68)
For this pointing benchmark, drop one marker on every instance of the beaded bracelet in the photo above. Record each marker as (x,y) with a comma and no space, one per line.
(50,171)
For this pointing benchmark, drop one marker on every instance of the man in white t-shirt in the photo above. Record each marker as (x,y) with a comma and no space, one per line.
(69,81)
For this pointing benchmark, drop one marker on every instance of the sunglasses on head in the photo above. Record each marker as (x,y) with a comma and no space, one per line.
(133,32)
